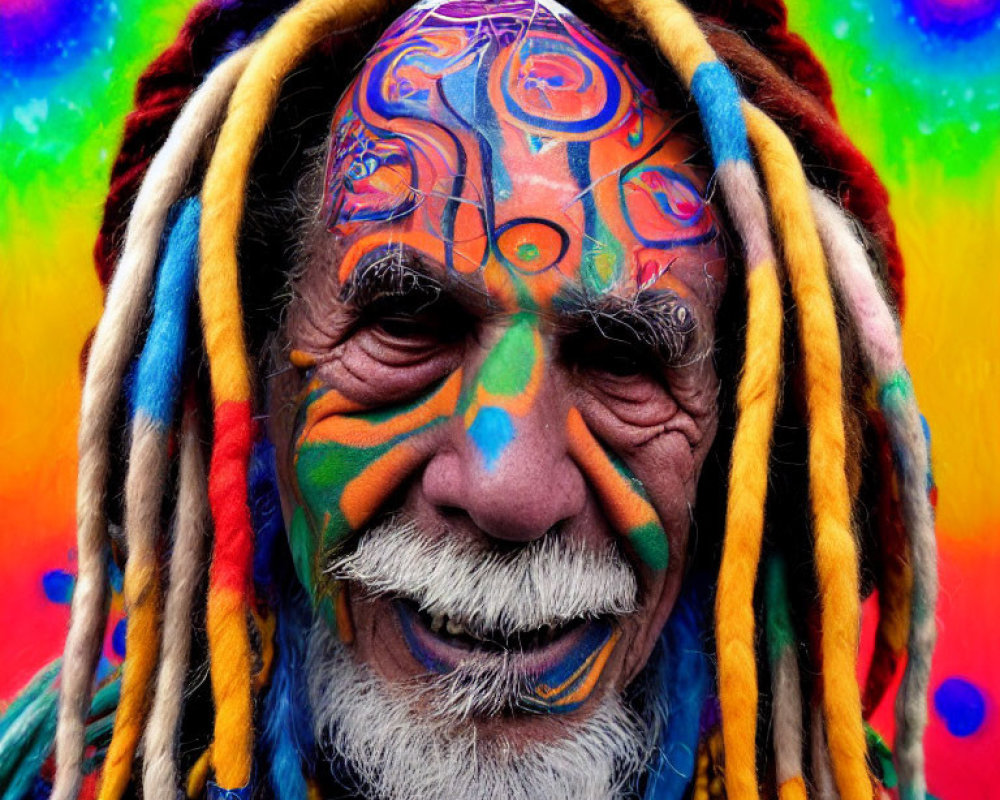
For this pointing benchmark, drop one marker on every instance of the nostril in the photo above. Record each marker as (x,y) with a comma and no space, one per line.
(508,545)
(459,521)
(452,514)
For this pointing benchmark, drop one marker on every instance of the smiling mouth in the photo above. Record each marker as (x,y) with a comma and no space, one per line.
(557,666)
(472,638)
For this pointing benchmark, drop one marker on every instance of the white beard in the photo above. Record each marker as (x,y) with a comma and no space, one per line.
(399,750)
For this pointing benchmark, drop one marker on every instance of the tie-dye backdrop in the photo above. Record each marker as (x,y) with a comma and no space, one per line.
(918,87)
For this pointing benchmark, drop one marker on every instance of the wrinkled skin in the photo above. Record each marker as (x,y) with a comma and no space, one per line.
(510,293)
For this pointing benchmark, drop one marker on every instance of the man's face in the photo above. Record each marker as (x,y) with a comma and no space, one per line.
(505,390)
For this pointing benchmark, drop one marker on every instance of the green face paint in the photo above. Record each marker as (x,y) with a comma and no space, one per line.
(505,387)
(347,461)
(622,494)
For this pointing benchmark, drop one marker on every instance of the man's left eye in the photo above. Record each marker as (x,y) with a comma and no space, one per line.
(402,326)
(606,357)
(619,363)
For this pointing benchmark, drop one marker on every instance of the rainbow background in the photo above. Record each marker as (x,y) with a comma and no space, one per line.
(917,83)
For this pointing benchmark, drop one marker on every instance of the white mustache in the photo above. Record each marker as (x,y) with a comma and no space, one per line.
(549,581)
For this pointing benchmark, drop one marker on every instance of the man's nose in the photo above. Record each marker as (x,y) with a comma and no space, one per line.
(507,464)
(530,487)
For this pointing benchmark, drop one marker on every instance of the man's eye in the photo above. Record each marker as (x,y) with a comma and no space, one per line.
(435,324)
(619,362)
(401,326)
(602,356)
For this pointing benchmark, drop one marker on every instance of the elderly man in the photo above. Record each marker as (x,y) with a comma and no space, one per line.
(516,266)
(466,543)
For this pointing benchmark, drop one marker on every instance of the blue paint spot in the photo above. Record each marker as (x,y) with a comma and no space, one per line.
(961,705)
(115,576)
(104,668)
(118,638)
(58,586)
(492,430)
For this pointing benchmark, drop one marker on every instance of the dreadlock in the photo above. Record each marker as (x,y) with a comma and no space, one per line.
(815,246)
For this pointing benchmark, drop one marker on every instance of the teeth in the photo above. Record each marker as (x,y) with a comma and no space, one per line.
(542,636)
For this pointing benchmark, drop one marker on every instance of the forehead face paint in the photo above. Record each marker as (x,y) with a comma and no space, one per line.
(515,149)
(509,151)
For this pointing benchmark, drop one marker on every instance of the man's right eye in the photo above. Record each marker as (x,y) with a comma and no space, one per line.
(401,326)
(617,361)
(436,323)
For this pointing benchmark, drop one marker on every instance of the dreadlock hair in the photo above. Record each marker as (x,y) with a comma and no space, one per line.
(817,246)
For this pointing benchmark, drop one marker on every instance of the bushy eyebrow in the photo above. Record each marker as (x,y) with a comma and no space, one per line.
(655,320)
(400,271)
(390,271)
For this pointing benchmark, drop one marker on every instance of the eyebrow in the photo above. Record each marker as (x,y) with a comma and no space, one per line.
(658,320)
(390,271)
(398,270)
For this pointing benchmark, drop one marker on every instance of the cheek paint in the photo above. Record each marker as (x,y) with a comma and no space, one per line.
(347,461)
(621,494)
(505,387)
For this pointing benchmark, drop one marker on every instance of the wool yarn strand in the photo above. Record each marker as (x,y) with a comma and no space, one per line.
(807,115)
(895,575)
(679,37)
(158,378)
(836,552)
(160,776)
(110,352)
(785,686)
(883,350)
(230,586)
(819,756)
(682,677)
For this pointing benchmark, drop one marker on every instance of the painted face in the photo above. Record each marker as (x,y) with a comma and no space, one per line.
(503,335)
